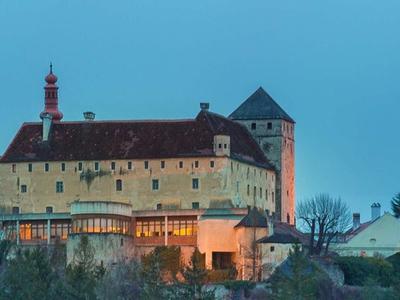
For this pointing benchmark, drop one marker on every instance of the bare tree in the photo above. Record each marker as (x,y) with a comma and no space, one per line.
(324,218)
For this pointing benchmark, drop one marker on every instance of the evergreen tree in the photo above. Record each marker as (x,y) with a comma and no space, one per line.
(153,286)
(396,205)
(195,274)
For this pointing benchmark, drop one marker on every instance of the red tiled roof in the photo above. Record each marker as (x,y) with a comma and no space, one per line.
(104,140)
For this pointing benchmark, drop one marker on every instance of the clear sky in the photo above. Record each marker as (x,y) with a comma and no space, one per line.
(333,65)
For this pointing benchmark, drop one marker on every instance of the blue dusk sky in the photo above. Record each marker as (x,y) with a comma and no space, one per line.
(332,65)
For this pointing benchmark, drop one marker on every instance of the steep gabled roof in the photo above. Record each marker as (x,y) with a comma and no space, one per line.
(259,106)
(106,140)
(279,238)
(253,219)
(285,234)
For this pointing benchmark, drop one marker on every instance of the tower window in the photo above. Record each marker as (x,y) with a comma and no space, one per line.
(196,164)
(195,183)
(155,184)
(212,164)
(46,167)
(113,166)
(162,164)
(220,146)
(253,126)
(269,125)
(59,187)
(146,164)
(129,165)
(118,185)
(80,166)
(30,168)
(24,188)
(14,168)
(180,164)
(62,167)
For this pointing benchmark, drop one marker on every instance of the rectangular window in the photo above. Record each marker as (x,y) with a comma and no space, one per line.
(62,167)
(162,164)
(24,188)
(14,168)
(49,210)
(260,192)
(46,167)
(195,205)
(146,164)
(129,165)
(269,125)
(59,187)
(266,194)
(96,166)
(80,166)
(30,168)
(212,164)
(159,206)
(180,164)
(15,210)
(253,126)
(155,185)
(195,183)
(118,185)
(113,166)
(196,164)
(248,190)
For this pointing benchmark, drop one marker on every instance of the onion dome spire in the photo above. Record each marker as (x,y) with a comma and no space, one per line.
(51,97)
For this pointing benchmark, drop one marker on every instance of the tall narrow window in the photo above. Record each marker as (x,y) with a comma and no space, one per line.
(62,167)
(24,188)
(212,163)
(113,165)
(253,126)
(237,186)
(254,193)
(59,187)
(273,197)
(196,164)
(14,168)
(266,194)
(180,164)
(96,166)
(248,190)
(155,184)
(269,125)
(195,183)
(162,164)
(260,192)
(146,164)
(118,185)
(80,166)
(129,165)
(46,167)
(30,168)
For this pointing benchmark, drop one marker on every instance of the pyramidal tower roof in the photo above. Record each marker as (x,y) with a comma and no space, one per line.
(259,106)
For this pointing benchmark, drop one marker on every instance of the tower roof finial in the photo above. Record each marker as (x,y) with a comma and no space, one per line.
(51,68)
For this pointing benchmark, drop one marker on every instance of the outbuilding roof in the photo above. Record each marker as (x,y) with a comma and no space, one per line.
(151,139)
(253,219)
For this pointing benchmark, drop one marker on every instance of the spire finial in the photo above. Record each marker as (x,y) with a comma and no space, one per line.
(51,68)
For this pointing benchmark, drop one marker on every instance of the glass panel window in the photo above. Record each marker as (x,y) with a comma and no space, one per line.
(30,168)
(49,210)
(96,166)
(155,184)
(113,166)
(59,187)
(195,205)
(195,183)
(62,167)
(129,165)
(46,167)
(118,185)
(24,188)
(14,168)
(80,166)
(146,164)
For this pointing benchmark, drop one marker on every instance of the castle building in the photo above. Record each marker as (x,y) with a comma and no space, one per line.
(134,185)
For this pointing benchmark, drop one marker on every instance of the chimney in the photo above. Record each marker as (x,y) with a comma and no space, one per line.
(89,116)
(205,106)
(46,121)
(356,220)
(375,211)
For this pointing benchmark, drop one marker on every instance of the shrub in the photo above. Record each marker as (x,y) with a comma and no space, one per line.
(216,276)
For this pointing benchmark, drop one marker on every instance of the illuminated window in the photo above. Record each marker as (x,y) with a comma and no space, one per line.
(155,184)
(182,227)
(195,183)
(118,185)
(59,187)
(149,227)
(24,188)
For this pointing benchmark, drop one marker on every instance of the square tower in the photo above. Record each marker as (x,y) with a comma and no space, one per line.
(273,129)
